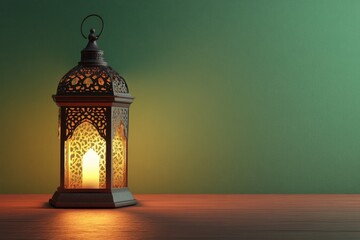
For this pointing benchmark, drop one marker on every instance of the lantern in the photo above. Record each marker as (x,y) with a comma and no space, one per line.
(94,103)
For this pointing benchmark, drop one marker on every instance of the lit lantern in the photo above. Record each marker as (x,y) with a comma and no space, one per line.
(94,103)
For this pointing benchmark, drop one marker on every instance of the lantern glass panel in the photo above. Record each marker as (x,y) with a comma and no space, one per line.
(85,157)
(119,144)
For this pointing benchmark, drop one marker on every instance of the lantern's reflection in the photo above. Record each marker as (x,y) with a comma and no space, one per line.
(97,224)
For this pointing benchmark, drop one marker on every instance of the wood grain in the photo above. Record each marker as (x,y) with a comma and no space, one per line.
(164,216)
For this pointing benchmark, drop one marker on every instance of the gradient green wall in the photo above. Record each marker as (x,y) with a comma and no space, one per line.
(231,96)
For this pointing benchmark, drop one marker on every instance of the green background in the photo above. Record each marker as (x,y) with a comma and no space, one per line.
(231,96)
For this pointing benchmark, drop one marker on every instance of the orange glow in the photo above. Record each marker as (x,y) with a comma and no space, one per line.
(90,169)
(85,158)
(94,224)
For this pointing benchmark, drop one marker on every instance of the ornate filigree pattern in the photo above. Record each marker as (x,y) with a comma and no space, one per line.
(92,80)
(120,115)
(77,115)
(89,79)
(85,136)
(119,83)
(119,141)
(119,158)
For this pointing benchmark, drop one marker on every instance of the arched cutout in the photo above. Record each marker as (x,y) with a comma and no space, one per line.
(84,138)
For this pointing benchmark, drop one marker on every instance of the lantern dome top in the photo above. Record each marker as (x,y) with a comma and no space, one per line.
(92,80)
(92,76)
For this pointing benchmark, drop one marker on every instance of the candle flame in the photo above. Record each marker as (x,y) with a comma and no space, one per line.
(90,170)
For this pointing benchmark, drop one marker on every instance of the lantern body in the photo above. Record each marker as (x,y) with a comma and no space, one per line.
(94,103)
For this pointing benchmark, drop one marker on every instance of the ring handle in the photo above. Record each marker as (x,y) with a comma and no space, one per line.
(92,15)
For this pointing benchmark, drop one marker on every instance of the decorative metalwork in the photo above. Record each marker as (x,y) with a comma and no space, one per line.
(119,157)
(119,84)
(119,141)
(77,115)
(120,115)
(85,137)
(92,80)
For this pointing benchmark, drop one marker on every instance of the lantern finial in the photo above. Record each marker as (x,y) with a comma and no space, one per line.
(91,54)
(92,37)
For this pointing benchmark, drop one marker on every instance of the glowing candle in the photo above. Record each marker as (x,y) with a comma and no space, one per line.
(90,169)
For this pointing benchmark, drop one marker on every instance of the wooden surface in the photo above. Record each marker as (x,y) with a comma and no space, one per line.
(187,217)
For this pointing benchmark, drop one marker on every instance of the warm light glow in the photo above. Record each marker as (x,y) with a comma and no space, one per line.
(119,157)
(90,169)
(84,138)
(80,225)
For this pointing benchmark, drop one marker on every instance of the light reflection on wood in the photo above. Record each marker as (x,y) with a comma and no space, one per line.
(204,216)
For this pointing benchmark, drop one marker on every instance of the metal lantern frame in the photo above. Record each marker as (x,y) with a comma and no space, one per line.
(95,95)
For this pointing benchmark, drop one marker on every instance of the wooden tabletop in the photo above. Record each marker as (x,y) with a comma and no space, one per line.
(164,216)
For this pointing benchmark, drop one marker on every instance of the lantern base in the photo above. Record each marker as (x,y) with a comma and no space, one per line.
(112,199)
